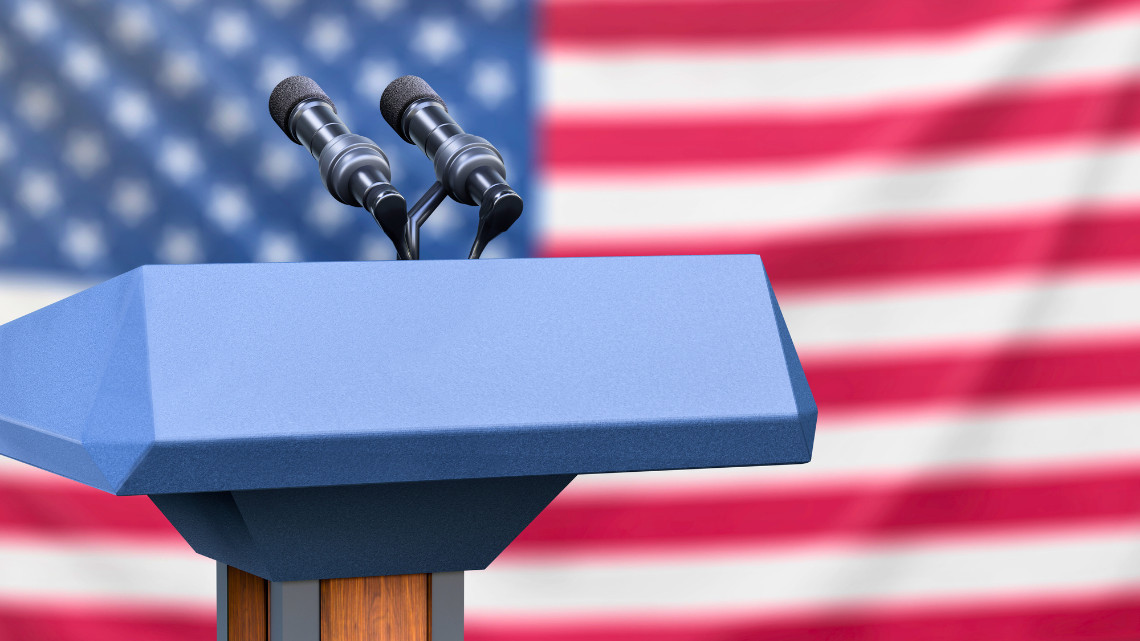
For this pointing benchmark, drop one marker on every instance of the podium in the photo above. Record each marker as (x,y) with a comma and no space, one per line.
(346,439)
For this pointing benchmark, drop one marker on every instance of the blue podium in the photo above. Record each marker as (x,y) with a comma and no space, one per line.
(309,423)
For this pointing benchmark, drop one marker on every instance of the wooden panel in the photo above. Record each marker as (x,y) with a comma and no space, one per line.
(406,607)
(376,608)
(248,606)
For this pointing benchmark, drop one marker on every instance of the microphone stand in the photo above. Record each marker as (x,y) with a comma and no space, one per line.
(499,209)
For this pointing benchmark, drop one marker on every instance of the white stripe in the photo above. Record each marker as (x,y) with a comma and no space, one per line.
(1055,436)
(727,580)
(1050,437)
(895,318)
(898,317)
(13,471)
(584,81)
(24,294)
(965,187)
(87,572)
(922,316)
(909,318)
(887,319)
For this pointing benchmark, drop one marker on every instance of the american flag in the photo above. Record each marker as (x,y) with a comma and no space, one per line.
(946,196)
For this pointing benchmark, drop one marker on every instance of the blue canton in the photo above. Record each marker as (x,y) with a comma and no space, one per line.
(137,132)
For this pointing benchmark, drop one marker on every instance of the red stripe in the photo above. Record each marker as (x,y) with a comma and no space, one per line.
(681,143)
(964,376)
(947,505)
(967,376)
(64,510)
(1079,236)
(595,23)
(70,622)
(1042,372)
(1107,618)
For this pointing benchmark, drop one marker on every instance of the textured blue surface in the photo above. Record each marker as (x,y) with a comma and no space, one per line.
(300,534)
(215,378)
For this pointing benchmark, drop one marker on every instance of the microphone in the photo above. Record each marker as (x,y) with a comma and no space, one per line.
(468,168)
(353,168)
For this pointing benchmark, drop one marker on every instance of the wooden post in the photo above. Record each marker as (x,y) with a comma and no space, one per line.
(376,608)
(248,607)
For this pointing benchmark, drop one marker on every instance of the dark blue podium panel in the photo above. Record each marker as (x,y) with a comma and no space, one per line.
(228,384)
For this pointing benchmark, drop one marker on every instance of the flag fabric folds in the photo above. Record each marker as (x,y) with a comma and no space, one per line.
(946,197)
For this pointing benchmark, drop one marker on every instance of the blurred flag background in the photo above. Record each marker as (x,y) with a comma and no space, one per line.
(946,195)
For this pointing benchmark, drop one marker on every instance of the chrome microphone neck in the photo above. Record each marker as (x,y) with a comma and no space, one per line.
(353,168)
(467,168)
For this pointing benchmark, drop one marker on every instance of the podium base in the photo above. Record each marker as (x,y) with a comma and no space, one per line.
(403,607)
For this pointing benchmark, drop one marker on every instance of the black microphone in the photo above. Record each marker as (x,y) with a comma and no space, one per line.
(353,167)
(468,168)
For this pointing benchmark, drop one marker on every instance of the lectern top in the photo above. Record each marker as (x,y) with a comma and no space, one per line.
(194,378)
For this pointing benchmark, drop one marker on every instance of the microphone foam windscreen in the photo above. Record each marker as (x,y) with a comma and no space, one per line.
(402,92)
(289,93)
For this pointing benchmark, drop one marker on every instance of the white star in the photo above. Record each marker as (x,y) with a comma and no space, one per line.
(38,192)
(38,105)
(133,26)
(274,69)
(83,241)
(376,246)
(229,207)
(230,119)
(179,245)
(230,31)
(179,159)
(131,200)
(7,144)
(280,163)
(326,214)
(374,76)
(35,18)
(180,72)
(491,82)
(437,39)
(380,9)
(86,152)
(491,10)
(278,247)
(329,37)
(6,235)
(279,7)
(131,112)
(83,65)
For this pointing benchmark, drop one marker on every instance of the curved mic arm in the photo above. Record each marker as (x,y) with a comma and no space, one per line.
(419,214)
